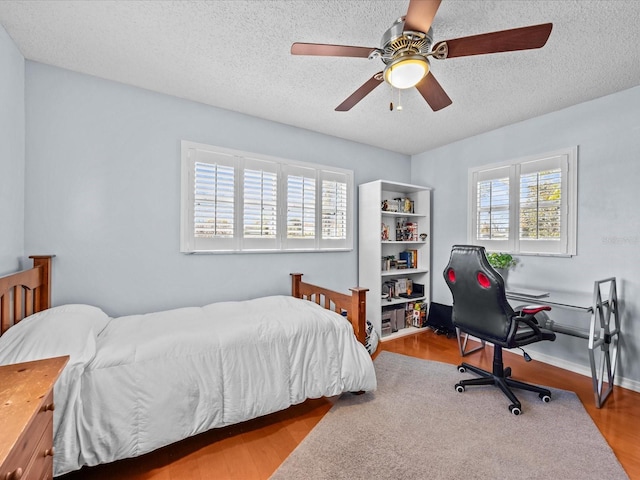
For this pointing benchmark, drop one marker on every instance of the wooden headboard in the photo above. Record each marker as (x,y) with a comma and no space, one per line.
(25,292)
(355,305)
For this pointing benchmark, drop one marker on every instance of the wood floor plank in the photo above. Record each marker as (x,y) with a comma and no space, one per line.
(253,450)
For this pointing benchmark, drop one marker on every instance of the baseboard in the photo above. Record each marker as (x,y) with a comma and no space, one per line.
(572,367)
(581,369)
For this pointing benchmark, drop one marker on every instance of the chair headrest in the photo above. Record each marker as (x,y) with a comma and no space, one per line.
(480,306)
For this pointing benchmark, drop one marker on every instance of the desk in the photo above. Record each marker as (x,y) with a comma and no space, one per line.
(602,335)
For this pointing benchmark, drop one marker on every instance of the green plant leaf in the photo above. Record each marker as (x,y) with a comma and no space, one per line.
(501,260)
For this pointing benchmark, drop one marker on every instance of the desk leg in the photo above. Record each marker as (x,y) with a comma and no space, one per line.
(462,344)
(604,334)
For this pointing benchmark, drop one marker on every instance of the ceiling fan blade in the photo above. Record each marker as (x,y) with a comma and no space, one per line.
(420,15)
(360,93)
(433,93)
(524,38)
(326,50)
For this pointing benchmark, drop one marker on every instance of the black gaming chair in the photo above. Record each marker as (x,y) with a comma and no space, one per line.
(480,309)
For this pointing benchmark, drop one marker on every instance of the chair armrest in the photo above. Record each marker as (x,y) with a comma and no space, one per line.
(527,315)
(533,309)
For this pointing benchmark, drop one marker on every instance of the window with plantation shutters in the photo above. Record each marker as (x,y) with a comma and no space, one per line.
(301,204)
(334,208)
(260,218)
(493,209)
(214,200)
(235,201)
(259,204)
(527,207)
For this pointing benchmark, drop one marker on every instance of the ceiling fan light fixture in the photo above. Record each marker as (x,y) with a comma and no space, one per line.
(406,72)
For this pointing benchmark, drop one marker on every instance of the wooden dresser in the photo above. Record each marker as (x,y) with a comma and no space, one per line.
(26,418)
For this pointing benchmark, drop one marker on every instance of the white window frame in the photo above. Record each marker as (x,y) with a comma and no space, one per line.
(192,153)
(565,159)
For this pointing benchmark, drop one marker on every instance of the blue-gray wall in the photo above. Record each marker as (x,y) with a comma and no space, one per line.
(607,133)
(103,194)
(12,157)
(102,164)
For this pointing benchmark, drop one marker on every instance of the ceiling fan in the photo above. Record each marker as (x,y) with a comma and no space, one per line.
(407,44)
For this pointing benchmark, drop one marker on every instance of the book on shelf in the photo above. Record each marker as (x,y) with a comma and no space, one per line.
(411,257)
(411,232)
(416,314)
(401,285)
(402,264)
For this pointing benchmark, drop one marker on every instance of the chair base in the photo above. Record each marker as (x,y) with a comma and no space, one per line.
(500,378)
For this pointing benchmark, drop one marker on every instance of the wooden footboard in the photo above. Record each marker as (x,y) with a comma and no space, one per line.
(25,292)
(354,305)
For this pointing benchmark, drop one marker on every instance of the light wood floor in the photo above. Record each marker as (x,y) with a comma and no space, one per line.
(255,449)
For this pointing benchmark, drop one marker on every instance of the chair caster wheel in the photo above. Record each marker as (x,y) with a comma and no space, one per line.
(515,409)
(507,372)
(459,388)
(461,369)
(545,398)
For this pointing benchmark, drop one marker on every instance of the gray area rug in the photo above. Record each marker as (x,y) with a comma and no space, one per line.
(416,426)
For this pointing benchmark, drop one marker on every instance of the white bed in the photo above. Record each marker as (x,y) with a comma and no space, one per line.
(137,383)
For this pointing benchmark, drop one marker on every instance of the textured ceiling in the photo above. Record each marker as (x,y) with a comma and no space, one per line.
(236,55)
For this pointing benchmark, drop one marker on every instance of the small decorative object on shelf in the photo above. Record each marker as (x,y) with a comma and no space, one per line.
(406,231)
(389,206)
(385,232)
(401,286)
(411,233)
(405,205)
(388,262)
(423,236)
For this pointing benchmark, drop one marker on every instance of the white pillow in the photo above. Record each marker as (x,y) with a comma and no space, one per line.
(64,330)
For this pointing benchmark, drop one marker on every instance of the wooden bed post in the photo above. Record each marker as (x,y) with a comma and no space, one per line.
(296,278)
(43,296)
(359,312)
(354,306)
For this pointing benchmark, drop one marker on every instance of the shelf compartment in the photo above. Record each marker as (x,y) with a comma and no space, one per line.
(403,242)
(403,332)
(400,214)
(401,301)
(402,271)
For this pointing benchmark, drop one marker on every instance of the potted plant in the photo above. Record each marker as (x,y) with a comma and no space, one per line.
(502,262)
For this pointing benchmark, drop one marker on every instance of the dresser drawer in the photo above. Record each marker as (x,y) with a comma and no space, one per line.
(41,463)
(35,441)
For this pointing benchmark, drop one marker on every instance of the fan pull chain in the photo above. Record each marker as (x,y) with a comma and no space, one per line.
(391,102)
(399,105)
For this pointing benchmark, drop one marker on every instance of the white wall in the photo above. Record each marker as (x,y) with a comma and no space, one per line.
(607,133)
(12,157)
(103,194)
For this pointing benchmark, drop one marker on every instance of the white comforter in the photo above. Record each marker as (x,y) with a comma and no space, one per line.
(140,382)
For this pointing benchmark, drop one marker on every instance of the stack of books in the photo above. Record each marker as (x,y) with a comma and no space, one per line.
(410,257)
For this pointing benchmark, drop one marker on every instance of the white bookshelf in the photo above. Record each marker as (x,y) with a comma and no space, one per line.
(372,247)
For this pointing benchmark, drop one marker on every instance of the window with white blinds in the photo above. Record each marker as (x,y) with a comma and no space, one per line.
(301,206)
(214,200)
(528,206)
(334,210)
(236,201)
